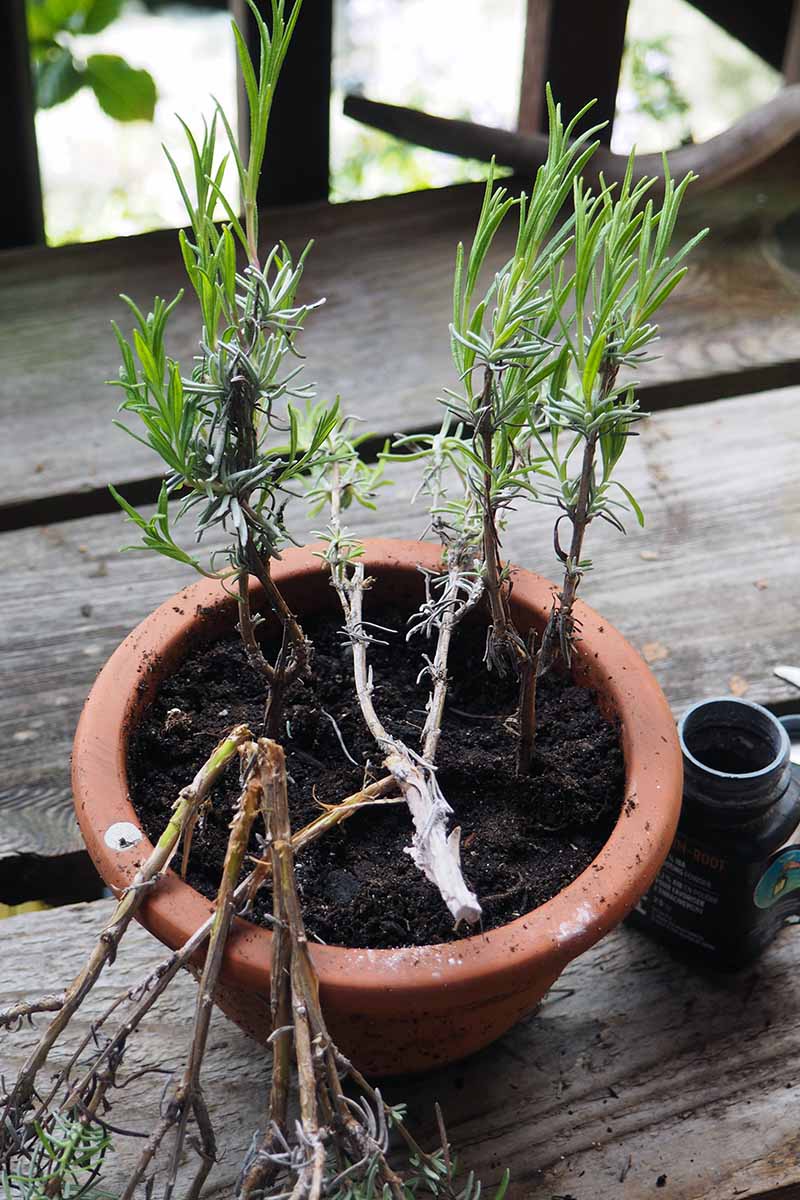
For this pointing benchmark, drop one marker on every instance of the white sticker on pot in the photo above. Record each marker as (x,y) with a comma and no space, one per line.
(123,835)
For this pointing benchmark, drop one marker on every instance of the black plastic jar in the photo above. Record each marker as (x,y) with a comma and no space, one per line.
(731,878)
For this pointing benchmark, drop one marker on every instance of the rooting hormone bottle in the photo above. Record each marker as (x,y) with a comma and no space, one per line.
(732,875)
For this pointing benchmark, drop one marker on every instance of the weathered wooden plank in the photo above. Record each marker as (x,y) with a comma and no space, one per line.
(707,589)
(381,342)
(634,1068)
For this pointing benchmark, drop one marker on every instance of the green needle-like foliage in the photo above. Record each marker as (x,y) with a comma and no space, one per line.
(541,414)
(623,272)
(234,431)
(65,1160)
(503,350)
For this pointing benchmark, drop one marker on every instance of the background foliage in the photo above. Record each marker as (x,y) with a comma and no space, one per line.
(417,52)
(123,92)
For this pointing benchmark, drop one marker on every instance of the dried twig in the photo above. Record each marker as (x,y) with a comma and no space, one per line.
(336,1138)
(187,1096)
(326,1115)
(24,1010)
(461,589)
(104,951)
(247,630)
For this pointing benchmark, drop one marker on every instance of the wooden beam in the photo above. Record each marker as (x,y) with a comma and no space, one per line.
(296,166)
(21,219)
(584,54)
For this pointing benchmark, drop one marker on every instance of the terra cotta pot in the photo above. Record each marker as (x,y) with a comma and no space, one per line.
(392,1011)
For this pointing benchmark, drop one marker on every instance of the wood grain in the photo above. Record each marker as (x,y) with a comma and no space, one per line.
(635,1066)
(381,342)
(707,590)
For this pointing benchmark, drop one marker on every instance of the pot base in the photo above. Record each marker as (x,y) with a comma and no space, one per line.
(421,1042)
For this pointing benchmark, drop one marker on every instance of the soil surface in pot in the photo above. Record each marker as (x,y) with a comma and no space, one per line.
(522,840)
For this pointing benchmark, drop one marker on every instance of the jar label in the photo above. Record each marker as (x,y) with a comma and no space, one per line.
(781,877)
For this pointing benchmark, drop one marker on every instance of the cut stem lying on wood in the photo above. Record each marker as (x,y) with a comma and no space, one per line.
(336,1139)
(187,803)
(97,1078)
(187,1096)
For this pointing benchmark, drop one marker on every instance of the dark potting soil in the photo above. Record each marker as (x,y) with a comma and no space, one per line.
(522,840)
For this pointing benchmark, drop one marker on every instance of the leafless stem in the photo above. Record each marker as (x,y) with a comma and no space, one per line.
(319,1084)
(25,1009)
(146,993)
(277,692)
(435,852)
(301,650)
(106,947)
(187,1097)
(334,814)
(272,777)
(526,709)
(247,630)
(505,646)
(460,595)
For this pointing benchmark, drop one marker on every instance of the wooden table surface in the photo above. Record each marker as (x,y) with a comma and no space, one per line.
(636,1068)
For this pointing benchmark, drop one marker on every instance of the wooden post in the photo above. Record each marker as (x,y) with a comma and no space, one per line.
(791,52)
(531,92)
(21,219)
(296,165)
(577,48)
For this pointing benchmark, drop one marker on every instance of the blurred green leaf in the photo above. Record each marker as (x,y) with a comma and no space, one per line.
(56,78)
(46,18)
(101,13)
(123,92)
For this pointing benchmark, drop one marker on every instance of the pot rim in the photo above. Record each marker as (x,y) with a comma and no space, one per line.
(552,934)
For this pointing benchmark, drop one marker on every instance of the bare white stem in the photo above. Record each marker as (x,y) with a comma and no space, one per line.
(449,610)
(435,852)
(432,729)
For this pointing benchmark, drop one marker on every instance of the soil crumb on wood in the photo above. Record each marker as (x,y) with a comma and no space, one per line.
(522,840)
